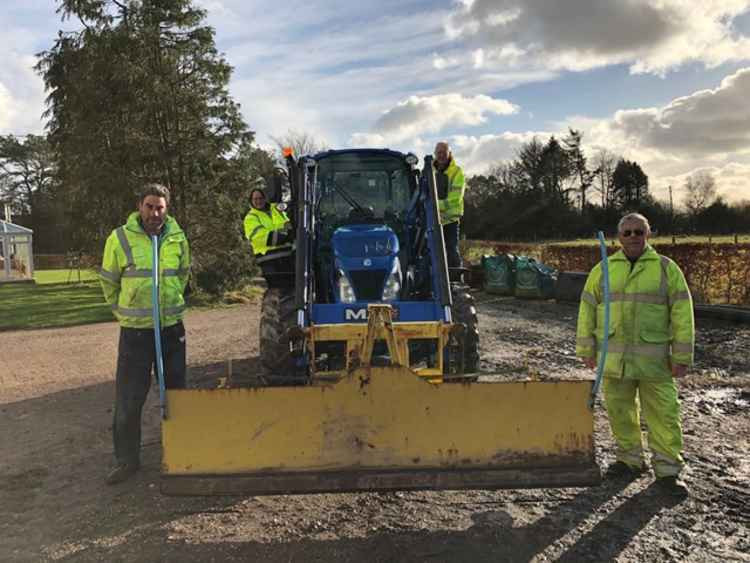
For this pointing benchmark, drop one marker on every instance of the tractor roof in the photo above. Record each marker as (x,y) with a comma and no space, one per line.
(359,152)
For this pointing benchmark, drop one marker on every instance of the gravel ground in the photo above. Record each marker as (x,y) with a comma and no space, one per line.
(55,449)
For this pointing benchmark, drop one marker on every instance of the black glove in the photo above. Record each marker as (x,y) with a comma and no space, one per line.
(277,238)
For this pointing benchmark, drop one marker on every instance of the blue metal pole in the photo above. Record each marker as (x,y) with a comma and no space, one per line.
(156,313)
(605,343)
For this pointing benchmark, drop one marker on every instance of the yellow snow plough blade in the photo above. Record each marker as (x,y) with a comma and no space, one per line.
(378,428)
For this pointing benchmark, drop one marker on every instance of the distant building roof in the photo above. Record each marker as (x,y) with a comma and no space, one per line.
(13,229)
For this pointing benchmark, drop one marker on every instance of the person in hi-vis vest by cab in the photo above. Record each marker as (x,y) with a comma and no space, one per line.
(268,229)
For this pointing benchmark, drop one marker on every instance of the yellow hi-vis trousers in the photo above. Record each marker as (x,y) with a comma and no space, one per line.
(624,399)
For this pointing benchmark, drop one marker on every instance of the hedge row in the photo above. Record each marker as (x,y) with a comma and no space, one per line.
(716,272)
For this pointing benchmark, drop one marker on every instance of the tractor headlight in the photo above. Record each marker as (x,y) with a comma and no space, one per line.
(392,284)
(346,291)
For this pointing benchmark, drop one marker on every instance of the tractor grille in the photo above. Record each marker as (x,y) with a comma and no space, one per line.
(368,284)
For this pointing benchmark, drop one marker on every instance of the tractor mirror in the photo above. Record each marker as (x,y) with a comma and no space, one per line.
(442,184)
(274,188)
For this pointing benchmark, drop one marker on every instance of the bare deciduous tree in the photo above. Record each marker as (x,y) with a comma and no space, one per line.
(604,163)
(700,191)
(301,142)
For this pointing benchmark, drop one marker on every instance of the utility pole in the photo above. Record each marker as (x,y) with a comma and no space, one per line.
(671,210)
(671,202)
(7,213)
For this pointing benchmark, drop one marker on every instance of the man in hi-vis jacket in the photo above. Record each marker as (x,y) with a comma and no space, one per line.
(651,338)
(452,207)
(127,282)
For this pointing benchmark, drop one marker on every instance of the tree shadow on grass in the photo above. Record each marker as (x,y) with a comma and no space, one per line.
(52,305)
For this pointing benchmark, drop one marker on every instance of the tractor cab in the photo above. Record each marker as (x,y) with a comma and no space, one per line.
(362,203)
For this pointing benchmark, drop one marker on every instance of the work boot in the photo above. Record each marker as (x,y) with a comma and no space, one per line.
(621,470)
(121,472)
(673,486)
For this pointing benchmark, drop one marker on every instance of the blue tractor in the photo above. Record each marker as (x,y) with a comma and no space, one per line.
(367,232)
(361,336)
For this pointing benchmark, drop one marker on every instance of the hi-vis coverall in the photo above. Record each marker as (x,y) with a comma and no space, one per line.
(651,327)
(264,231)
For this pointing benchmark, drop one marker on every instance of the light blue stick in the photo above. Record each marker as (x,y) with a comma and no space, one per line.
(605,344)
(156,313)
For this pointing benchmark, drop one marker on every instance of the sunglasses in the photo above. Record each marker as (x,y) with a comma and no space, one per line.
(634,232)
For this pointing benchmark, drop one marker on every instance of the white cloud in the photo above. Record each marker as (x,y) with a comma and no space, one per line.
(650,35)
(441,63)
(432,114)
(478,57)
(476,154)
(21,95)
(26,28)
(732,182)
(368,140)
(333,70)
(706,130)
(330,72)
(708,122)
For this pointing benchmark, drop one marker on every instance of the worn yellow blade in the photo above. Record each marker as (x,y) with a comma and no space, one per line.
(378,428)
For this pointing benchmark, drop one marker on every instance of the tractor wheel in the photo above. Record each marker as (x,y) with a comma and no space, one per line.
(276,318)
(465,312)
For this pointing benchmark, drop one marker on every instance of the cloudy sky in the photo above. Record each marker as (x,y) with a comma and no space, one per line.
(664,82)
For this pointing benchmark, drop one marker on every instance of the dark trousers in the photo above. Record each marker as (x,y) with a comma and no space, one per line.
(136,359)
(450,234)
(279,272)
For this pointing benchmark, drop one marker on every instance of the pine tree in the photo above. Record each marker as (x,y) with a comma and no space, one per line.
(630,184)
(141,95)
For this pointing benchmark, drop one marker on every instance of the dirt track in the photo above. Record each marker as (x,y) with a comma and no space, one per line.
(56,395)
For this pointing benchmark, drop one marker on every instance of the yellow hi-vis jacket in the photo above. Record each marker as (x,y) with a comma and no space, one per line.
(126,273)
(263,230)
(452,207)
(651,317)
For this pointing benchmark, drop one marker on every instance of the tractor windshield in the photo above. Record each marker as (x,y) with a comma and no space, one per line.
(362,187)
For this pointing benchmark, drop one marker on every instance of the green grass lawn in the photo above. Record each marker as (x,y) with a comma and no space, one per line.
(53,302)
(64,276)
(49,303)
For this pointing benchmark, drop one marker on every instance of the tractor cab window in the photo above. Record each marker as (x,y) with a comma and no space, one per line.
(355,188)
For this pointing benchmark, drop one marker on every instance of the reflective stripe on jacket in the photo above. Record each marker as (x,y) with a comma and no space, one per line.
(452,207)
(651,317)
(263,230)
(126,278)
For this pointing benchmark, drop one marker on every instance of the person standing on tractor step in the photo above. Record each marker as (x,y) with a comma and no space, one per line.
(126,279)
(651,338)
(268,229)
(452,207)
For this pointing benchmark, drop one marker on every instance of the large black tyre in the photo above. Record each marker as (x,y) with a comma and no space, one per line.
(277,316)
(465,312)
